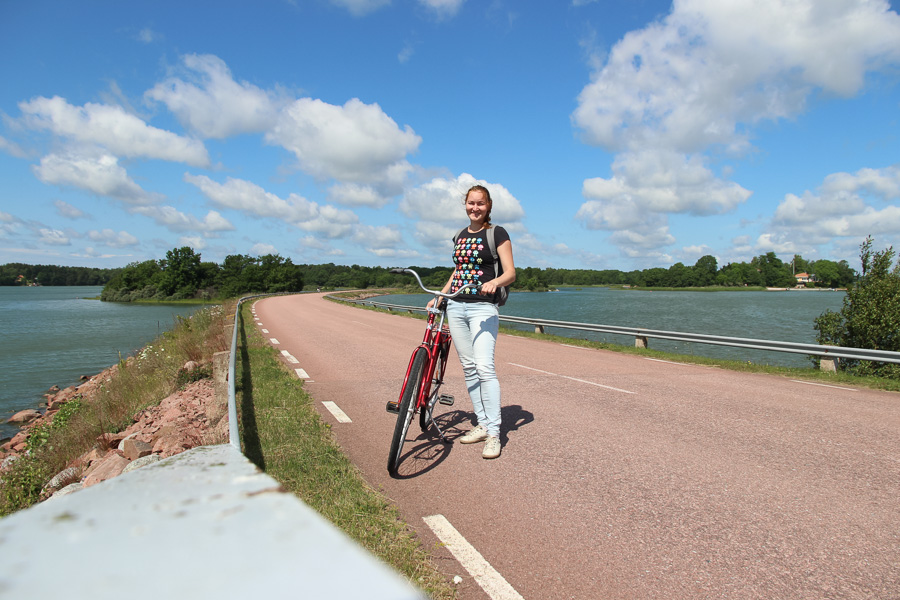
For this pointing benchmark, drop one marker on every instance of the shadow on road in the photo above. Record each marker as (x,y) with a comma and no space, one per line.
(427,450)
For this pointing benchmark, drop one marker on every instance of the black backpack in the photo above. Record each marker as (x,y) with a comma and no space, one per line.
(502,293)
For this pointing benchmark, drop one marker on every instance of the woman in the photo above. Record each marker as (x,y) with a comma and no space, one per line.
(473,316)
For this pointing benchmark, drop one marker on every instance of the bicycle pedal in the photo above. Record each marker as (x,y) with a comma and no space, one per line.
(446,399)
(393,407)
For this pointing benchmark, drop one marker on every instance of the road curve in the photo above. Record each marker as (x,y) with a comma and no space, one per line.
(622,477)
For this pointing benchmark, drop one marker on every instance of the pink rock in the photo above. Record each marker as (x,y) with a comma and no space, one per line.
(24,416)
(134,448)
(109,468)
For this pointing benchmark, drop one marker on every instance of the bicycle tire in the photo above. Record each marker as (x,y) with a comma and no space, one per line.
(436,381)
(407,408)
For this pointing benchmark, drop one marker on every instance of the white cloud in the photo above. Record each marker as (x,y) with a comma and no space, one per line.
(12,148)
(645,188)
(177,221)
(353,143)
(251,199)
(262,249)
(121,133)
(94,172)
(443,8)
(68,211)
(689,81)
(211,103)
(846,205)
(147,36)
(113,239)
(441,201)
(360,8)
(354,194)
(53,237)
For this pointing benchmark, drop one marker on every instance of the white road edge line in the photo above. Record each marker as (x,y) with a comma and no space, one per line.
(492,582)
(265,330)
(573,379)
(824,385)
(290,358)
(301,374)
(335,410)
(274,341)
(671,362)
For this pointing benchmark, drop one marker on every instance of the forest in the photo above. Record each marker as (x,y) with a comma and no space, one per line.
(182,274)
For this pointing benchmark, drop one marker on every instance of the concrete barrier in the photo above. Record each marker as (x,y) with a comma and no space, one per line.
(202,524)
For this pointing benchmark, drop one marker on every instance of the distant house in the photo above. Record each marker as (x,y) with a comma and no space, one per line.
(804,278)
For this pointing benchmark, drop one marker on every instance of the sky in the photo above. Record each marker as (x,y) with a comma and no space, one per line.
(612,134)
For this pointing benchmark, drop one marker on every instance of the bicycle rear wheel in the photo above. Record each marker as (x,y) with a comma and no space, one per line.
(407,408)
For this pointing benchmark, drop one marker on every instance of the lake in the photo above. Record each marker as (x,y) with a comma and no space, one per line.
(54,335)
(784,316)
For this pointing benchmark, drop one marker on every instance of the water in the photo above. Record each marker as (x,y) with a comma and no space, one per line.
(784,316)
(54,335)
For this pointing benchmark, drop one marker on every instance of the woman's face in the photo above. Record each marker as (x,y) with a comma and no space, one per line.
(476,206)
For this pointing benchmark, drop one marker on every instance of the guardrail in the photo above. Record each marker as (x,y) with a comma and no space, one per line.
(829,354)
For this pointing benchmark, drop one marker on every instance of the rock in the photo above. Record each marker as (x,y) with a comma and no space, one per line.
(62,479)
(142,462)
(24,416)
(109,468)
(190,366)
(72,487)
(134,448)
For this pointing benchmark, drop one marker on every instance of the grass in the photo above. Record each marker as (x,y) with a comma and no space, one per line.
(134,384)
(282,433)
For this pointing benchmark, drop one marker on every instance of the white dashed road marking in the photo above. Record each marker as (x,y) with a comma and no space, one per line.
(301,373)
(274,341)
(573,379)
(492,582)
(265,330)
(334,409)
(290,357)
(824,385)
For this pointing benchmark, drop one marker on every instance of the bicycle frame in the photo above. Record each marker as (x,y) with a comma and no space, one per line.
(421,377)
(436,342)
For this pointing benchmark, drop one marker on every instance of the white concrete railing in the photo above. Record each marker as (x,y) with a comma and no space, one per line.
(206,523)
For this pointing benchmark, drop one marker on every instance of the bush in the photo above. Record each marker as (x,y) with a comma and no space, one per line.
(870,316)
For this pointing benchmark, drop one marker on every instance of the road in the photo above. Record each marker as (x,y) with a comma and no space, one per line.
(621,477)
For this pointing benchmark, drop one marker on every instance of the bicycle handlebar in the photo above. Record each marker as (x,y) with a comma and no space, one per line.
(435,292)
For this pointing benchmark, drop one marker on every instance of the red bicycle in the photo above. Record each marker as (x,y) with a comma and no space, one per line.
(424,375)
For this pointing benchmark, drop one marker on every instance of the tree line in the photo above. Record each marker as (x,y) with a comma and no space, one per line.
(183,274)
(22,274)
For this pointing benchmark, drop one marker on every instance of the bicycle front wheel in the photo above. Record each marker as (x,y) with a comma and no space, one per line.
(408,396)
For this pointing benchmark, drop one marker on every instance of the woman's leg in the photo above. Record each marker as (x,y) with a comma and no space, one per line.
(474,327)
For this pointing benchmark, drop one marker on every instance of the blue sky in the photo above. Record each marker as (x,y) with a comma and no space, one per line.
(613,134)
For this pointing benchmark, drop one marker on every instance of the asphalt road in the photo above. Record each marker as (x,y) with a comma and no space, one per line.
(621,476)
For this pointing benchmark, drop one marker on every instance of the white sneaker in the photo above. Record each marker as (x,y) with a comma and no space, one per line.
(479,434)
(491,448)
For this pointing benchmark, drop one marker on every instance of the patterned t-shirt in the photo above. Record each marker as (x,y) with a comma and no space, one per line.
(475,262)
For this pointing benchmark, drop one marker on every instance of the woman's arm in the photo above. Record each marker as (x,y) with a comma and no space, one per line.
(504,251)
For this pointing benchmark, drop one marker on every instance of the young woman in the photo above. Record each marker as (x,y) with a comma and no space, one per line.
(473,316)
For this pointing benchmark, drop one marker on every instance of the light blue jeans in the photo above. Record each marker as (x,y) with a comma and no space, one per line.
(474,327)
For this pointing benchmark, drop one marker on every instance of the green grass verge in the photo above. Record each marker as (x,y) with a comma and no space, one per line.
(282,433)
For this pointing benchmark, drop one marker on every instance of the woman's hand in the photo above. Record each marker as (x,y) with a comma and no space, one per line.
(430,303)
(488,288)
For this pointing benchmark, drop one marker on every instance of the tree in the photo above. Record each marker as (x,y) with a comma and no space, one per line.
(705,270)
(180,273)
(870,316)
